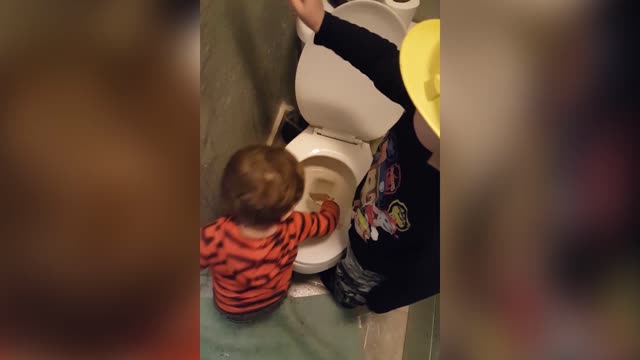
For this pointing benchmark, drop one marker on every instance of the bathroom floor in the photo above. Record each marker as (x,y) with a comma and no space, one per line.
(310,325)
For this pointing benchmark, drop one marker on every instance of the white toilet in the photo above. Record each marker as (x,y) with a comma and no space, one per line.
(344,111)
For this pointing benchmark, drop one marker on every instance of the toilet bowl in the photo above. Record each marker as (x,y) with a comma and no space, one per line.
(344,111)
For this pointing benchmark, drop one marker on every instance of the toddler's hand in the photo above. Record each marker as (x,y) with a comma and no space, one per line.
(311,12)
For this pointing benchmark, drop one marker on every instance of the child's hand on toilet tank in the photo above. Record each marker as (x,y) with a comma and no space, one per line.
(311,12)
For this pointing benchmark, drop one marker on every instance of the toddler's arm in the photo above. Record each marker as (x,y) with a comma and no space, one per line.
(317,224)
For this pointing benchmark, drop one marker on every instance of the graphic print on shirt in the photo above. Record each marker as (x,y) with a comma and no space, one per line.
(372,212)
(400,214)
(391,181)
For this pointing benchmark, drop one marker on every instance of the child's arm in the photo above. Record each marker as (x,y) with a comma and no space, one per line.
(373,55)
(208,246)
(317,224)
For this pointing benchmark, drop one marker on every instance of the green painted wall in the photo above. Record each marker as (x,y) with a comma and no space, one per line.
(248,60)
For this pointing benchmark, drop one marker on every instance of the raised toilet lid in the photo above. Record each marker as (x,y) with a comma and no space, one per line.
(332,94)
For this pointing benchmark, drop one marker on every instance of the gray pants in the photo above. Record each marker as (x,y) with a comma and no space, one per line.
(352,283)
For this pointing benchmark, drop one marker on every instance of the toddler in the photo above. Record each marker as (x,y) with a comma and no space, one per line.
(250,251)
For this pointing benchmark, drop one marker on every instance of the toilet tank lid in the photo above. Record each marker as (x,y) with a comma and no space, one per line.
(333,94)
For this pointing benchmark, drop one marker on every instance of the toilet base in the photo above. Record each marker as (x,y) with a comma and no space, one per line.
(308,269)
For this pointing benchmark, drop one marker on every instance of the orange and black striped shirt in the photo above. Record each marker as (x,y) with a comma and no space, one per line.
(250,274)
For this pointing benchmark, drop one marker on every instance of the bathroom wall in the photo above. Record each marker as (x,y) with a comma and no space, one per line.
(428,9)
(248,60)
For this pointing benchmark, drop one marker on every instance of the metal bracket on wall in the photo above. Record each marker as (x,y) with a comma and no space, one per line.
(277,122)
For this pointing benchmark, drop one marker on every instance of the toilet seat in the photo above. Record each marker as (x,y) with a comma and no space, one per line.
(344,110)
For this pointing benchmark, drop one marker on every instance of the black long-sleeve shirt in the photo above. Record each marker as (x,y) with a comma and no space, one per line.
(395,229)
